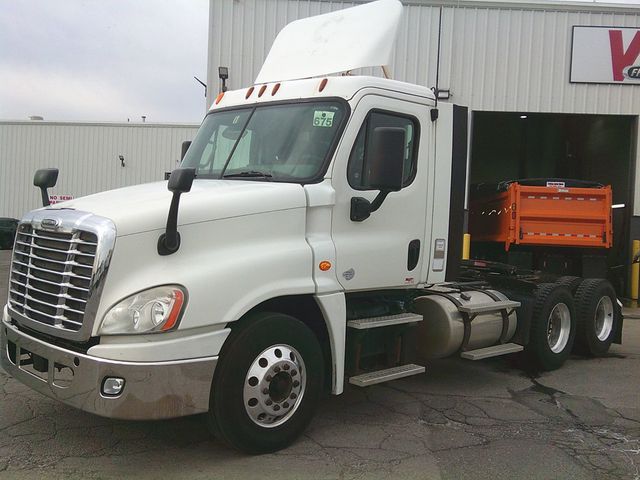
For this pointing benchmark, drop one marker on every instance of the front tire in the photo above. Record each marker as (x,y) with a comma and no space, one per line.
(553,327)
(597,311)
(267,383)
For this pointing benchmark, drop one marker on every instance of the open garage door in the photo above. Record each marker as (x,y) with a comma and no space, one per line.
(598,148)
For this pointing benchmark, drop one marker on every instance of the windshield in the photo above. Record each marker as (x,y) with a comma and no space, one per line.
(286,142)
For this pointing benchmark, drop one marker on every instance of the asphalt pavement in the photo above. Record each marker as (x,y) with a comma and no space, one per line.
(461,420)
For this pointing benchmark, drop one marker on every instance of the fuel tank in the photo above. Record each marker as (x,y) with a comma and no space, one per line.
(441,332)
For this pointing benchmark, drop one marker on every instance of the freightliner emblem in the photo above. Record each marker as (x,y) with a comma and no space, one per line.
(50,223)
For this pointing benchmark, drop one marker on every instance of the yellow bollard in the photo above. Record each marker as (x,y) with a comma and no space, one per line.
(635,270)
(466,248)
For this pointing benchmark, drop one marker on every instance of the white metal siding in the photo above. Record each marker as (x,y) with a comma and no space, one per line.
(519,60)
(87,156)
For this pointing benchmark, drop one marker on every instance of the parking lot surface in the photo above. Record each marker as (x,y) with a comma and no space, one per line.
(461,420)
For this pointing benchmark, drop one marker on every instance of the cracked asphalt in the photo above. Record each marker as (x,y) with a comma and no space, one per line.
(461,420)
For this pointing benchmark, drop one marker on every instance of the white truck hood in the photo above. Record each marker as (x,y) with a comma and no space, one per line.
(145,207)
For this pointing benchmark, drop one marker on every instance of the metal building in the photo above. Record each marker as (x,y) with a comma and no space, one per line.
(91,157)
(553,87)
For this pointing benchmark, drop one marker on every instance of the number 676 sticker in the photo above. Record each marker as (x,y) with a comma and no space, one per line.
(322,118)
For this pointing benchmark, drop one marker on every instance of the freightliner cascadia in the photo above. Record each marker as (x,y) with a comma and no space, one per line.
(311,237)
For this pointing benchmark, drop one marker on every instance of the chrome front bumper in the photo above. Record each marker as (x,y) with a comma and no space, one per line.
(152,390)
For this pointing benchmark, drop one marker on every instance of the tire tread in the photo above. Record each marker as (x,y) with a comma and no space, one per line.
(585,303)
(537,351)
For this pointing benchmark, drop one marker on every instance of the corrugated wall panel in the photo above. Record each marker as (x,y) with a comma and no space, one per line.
(519,60)
(87,156)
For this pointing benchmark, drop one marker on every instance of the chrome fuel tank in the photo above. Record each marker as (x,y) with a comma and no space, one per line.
(441,332)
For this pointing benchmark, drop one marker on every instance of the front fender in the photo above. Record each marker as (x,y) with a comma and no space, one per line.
(227,266)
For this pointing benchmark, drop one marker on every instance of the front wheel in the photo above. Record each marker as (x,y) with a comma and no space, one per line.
(267,383)
(553,327)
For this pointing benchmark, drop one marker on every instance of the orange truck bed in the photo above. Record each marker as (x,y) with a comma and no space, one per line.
(543,215)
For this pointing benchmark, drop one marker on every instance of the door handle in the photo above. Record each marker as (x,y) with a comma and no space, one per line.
(413,254)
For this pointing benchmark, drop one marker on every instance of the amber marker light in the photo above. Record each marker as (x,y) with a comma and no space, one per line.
(175,310)
(262,89)
(249,92)
(219,97)
(324,265)
(323,84)
(276,87)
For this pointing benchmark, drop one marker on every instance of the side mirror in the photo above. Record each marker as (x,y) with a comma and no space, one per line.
(185,146)
(388,146)
(43,179)
(386,169)
(180,182)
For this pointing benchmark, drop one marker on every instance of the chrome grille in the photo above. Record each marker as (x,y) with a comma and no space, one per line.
(51,275)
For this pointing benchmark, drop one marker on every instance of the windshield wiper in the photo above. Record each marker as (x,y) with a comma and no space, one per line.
(248,174)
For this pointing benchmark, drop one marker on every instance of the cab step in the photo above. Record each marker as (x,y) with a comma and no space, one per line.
(488,307)
(385,321)
(493,351)
(386,375)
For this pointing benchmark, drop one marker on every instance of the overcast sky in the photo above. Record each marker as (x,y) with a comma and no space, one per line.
(103,59)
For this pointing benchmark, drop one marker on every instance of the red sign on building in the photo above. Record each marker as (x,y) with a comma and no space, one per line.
(605,55)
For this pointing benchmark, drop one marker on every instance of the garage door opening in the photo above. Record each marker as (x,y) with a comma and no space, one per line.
(597,148)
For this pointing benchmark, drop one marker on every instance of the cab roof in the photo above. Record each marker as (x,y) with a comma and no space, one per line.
(345,87)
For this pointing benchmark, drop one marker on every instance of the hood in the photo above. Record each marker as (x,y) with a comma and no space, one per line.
(145,207)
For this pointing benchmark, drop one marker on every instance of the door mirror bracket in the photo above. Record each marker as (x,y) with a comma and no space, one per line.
(180,182)
(361,208)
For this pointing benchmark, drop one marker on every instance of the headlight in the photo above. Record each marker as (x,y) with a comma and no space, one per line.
(155,310)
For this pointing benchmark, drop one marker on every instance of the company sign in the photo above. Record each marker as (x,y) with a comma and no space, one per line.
(605,55)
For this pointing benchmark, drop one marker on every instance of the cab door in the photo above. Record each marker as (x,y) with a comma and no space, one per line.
(386,249)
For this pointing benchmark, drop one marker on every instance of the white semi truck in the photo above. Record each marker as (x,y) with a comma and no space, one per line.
(310,238)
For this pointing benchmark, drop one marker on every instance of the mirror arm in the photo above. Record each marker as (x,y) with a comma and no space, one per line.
(169,242)
(45,197)
(377,202)
(361,208)
(180,182)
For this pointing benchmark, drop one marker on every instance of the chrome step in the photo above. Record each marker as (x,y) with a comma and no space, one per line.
(493,351)
(374,322)
(488,307)
(393,373)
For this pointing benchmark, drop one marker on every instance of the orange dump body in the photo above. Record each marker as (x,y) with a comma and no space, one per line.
(545,216)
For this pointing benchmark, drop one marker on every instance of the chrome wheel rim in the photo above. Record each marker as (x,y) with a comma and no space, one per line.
(604,318)
(558,327)
(274,386)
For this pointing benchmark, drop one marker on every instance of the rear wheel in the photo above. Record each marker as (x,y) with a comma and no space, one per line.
(553,327)
(569,281)
(597,311)
(267,383)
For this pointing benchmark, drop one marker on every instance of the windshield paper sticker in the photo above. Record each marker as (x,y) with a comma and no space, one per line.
(323,118)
